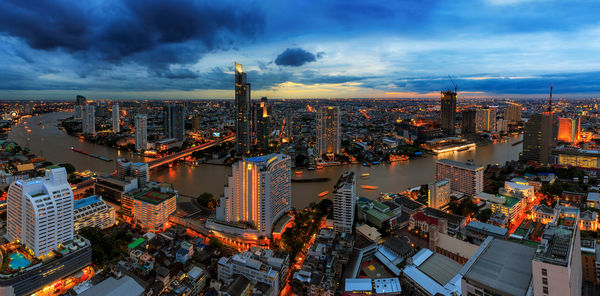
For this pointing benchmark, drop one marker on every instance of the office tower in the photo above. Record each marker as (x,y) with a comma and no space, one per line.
(513,113)
(92,211)
(468,121)
(116,119)
(569,130)
(242,109)
(141,132)
(328,131)
(174,122)
(40,211)
(344,203)
(556,265)
(88,124)
(263,124)
(486,119)
(465,177)
(538,138)
(80,101)
(439,194)
(448,112)
(498,267)
(258,192)
(196,123)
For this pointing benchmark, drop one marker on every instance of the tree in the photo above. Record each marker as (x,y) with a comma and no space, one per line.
(68,167)
(205,199)
(484,216)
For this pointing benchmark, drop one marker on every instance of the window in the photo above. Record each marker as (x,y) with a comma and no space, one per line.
(545,290)
(544,272)
(545,281)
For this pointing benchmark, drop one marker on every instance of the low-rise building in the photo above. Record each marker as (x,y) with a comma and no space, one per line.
(150,206)
(479,231)
(428,273)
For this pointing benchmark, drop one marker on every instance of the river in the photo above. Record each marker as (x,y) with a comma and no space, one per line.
(49,141)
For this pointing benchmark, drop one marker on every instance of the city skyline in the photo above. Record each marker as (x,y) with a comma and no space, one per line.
(339,50)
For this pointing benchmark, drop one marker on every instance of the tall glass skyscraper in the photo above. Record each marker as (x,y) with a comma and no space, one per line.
(174,122)
(242,109)
(448,112)
(258,192)
(116,119)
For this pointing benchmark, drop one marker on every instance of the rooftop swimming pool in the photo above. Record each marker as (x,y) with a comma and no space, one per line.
(18,261)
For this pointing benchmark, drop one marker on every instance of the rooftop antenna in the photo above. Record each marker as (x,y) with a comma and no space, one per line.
(455,87)
(550,100)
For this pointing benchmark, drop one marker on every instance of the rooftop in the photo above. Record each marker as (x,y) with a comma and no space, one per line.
(86,201)
(113,287)
(555,246)
(463,165)
(488,228)
(501,265)
(153,195)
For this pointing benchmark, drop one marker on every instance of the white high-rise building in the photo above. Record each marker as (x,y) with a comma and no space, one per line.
(141,132)
(439,194)
(40,211)
(465,177)
(88,123)
(328,131)
(513,113)
(344,203)
(116,119)
(258,192)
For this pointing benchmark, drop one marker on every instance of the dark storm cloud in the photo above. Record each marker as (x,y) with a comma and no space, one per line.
(294,57)
(154,33)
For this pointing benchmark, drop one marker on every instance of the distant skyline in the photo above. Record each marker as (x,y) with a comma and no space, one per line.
(167,49)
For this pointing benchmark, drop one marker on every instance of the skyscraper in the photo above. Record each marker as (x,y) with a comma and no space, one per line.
(242,109)
(40,211)
(263,124)
(141,132)
(328,131)
(538,138)
(344,203)
(468,121)
(80,101)
(258,192)
(448,112)
(486,119)
(569,130)
(174,122)
(513,113)
(88,123)
(116,119)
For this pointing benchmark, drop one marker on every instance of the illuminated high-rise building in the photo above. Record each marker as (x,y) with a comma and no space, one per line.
(513,113)
(174,122)
(569,130)
(438,194)
(88,123)
(40,211)
(465,177)
(344,203)
(448,112)
(328,131)
(486,119)
(141,132)
(242,108)
(258,192)
(116,119)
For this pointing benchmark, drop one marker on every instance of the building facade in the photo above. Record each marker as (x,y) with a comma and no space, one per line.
(141,132)
(538,138)
(242,109)
(344,203)
(174,122)
(569,130)
(150,207)
(513,113)
(328,131)
(448,112)
(468,124)
(258,192)
(486,120)
(464,177)
(88,123)
(92,211)
(438,194)
(40,211)
(116,119)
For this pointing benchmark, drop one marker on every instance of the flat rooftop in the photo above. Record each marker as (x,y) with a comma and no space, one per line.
(463,165)
(153,196)
(440,268)
(86,201)
(501,265)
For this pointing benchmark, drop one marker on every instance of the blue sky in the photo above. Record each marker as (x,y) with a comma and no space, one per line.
(298,49)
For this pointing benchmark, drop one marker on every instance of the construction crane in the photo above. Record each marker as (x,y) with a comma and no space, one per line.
(451,80)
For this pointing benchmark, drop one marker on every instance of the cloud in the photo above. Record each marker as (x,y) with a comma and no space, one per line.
(295,57)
